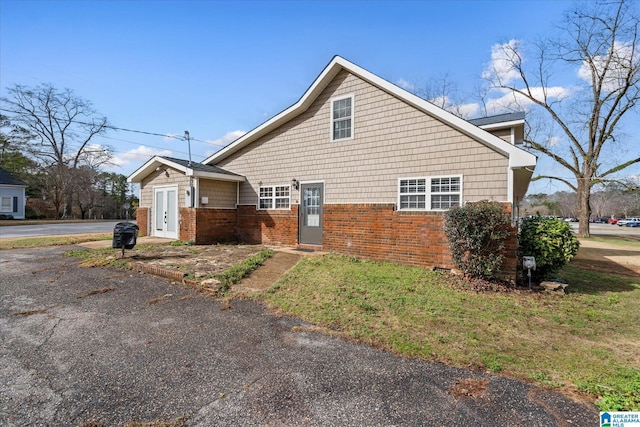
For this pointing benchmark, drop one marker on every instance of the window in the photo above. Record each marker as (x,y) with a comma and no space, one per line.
(5,205)
(445,192)
(274,197)
(429,193)
(342,118)
(413,193)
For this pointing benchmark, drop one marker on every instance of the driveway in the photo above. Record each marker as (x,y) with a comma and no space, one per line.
(57,228)
(114,346)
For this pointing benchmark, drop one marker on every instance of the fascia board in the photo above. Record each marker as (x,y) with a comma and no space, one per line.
(219,176)
(150,166)
(12,186)
(502,124)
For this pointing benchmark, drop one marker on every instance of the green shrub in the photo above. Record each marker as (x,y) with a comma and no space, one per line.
(550,241)
(477,234)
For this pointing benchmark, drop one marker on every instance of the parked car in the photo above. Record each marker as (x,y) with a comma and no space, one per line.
(613,221)
(571,219)
(633,223)
(599,220)
(624,221)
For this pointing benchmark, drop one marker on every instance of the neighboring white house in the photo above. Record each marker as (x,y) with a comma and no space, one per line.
(12,195)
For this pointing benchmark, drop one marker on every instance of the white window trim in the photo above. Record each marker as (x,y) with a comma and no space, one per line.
(332,101)
(273,198)
(9,202)
(428,193)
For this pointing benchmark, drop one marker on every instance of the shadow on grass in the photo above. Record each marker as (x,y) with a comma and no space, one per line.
(600,260)
(584,281)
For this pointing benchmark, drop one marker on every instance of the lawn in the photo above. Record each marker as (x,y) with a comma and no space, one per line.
(585,341)
(34,242)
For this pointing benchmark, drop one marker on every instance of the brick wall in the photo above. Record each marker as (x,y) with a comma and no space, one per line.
(142,219)
(378,231)
(268,226)
(374,231)
(212,225)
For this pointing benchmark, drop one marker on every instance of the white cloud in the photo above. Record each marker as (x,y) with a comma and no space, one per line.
(228,138)
(623,58)
(509,101)
(406,85)
(554,141)
(137,155)
(501,66)
(467,111)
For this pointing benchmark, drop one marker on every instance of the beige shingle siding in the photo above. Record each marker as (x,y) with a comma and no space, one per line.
(158,179)
(503,133)
(221,194)
(391,140)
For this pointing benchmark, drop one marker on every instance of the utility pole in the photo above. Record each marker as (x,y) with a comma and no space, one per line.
(186,135)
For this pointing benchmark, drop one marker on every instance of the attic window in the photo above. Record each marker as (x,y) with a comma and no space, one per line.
(342,118)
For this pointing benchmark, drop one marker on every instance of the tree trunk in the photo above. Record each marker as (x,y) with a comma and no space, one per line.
(584,207)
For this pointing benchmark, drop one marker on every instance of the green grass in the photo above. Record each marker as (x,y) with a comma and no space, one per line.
(34,242)
(586,340)
(238,271)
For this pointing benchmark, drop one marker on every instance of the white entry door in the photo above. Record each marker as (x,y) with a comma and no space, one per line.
(165,221)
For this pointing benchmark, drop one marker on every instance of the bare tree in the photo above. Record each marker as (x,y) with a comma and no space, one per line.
(599,41)
(61,125)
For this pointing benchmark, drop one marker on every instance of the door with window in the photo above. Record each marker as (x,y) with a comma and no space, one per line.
(165,221)
(310,218)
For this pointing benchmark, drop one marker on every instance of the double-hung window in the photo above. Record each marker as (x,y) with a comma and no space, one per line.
(342,118)
(275,197)
(429,193)
(5,205)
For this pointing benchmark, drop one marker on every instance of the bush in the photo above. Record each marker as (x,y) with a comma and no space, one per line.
(30,213)
(550,241)
(477,234)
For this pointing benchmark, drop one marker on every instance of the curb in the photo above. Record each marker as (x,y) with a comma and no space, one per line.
(166,273)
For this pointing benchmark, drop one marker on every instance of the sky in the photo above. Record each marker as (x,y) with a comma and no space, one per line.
(221,68)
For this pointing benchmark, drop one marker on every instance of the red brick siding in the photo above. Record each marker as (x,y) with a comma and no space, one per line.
(142,219)
(374,231)
(378,231)
(279,227)
(208,226)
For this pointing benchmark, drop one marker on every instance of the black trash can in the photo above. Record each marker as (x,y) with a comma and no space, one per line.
(124,235)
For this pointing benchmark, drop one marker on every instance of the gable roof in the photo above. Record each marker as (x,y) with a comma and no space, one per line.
(518,158)
(501,120)
(184,166)
(7,179)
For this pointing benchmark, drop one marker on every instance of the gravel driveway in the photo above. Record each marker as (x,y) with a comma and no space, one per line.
(113,346)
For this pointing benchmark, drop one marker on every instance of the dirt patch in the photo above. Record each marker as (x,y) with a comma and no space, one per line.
(469,387)
(608,258)
(196,261)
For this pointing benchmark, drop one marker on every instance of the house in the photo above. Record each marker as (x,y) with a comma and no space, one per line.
(12,195)
(357,166)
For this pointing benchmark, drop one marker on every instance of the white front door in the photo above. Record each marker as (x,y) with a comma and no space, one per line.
(165,221)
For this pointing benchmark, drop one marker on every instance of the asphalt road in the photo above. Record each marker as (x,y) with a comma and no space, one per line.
(112,346)
(57,229)
(609,229)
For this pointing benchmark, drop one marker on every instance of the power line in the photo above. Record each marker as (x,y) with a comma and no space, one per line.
(164,135)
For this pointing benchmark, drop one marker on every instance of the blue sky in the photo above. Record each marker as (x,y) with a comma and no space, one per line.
(220,68)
